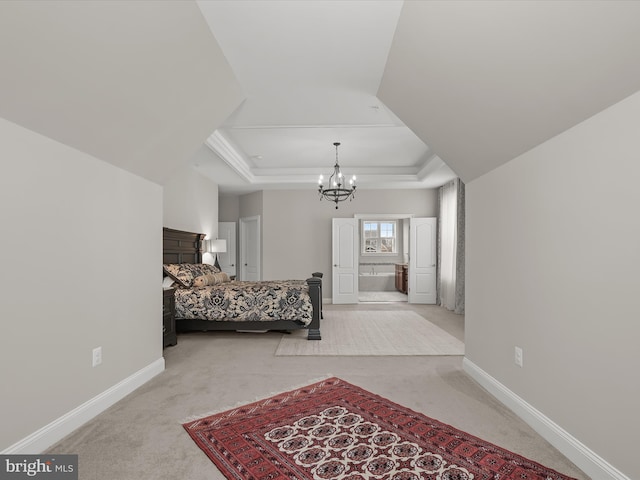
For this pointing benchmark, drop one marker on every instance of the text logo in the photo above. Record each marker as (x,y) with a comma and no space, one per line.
(50,467)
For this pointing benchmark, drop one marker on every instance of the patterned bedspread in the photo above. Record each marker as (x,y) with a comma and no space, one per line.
(247,301)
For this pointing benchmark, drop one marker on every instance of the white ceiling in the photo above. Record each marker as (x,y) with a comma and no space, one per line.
(478,83)
(310,71)
(135,84)
(482,82)
(271,85)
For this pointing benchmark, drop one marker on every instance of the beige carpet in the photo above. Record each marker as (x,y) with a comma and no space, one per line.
(141,437)
(377,333)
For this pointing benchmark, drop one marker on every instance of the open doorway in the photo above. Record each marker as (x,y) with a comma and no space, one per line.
(383,258)
(380,260)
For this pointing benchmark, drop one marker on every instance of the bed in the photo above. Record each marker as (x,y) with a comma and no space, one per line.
(205,300)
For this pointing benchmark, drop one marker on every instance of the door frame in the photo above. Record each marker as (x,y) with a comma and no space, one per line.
(422,263)
(228,260)
(416,297)
(344,274)
(244,244)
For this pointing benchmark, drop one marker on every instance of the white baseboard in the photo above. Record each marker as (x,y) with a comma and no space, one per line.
(55,431)
(583,457)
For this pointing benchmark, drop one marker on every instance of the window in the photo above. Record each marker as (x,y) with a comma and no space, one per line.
(379,236)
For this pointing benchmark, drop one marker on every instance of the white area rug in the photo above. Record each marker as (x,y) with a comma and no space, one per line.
(376,333)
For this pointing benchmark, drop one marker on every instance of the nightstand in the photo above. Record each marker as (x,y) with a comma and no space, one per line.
(169,336)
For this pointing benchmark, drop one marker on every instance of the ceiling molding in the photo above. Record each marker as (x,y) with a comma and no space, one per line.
(227,152)
(368,177)
(333,125)
(326,170)
(430,166)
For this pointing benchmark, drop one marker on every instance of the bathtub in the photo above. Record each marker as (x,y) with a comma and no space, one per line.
(376,281)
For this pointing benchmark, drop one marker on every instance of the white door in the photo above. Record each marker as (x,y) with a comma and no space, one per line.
(422,260)
(228,259)
(345,256)
(250,249)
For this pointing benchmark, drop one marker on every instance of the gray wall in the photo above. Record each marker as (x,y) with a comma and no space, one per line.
(82,238)
(552,266)
(80,250)
(296,227)
(191,203)
(228,208)
(144,102)
(251,204)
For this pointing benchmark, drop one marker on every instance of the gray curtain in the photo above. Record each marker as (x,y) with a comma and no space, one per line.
(459,300)
(451,221)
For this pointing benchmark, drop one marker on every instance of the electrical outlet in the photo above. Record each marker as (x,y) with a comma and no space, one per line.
(97,356)
(518,357)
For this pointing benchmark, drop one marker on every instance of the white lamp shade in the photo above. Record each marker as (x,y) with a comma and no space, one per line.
(217,246)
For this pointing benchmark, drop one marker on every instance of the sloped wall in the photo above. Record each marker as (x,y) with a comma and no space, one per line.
(80,249)
(140,85)
(552,267)
(190,202)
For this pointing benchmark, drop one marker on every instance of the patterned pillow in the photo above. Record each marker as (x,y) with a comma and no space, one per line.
(210,279)
(207,269)
(185,273)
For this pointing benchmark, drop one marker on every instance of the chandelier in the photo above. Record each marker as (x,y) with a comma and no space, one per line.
(337,191)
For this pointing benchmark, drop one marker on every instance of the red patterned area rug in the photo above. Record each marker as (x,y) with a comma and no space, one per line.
(335,430)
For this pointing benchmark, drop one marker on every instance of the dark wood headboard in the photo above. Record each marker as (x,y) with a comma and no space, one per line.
(181,247)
